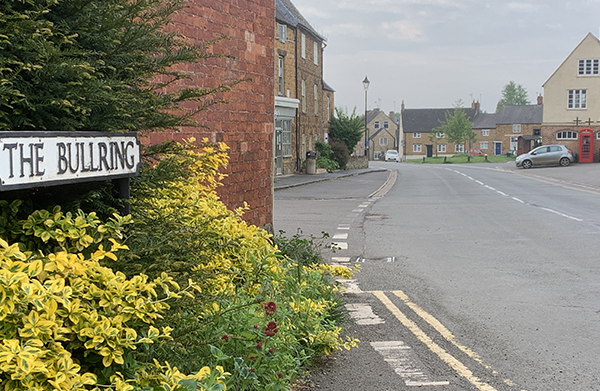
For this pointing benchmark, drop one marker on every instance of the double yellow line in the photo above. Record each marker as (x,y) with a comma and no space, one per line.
(446,357)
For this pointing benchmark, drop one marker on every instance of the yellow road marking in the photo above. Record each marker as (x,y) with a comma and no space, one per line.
(446,357)
(436,324)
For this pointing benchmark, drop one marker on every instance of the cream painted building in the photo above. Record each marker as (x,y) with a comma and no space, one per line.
(572,101)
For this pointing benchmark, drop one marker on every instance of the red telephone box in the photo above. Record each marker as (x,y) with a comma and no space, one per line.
(586,145)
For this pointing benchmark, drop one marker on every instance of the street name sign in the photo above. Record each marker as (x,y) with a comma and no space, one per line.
(36,159)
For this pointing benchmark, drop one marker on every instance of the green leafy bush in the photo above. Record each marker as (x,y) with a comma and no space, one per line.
(339,152)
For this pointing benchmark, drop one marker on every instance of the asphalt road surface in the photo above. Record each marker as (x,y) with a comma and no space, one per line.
(472,278)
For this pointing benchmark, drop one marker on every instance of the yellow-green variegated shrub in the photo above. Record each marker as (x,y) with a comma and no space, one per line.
(64,317)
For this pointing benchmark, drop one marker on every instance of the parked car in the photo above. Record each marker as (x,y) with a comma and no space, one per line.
(546,155)
(474,151)
(392,156)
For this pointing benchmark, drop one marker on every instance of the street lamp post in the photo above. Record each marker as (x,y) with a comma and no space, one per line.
(366,83)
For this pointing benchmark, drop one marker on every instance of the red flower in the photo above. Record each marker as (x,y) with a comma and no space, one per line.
(252,370)
(255,326)
(271,329)
(259,344)
(252,358)
(225,337)
(271,351)
(270,308)
(280,375)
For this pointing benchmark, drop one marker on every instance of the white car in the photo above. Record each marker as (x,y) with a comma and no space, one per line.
(392,156)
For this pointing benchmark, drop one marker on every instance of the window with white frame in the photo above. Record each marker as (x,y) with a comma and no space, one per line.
(577,99)
(303,45)
(286,133)
(598,136)
(514,142)
(316,95)
(485,132)
(280,76)
(376,155)
(517,128)
(303,96)
(386,124)
(316,53)
(439,135)
(282,33)
(566,135)
(376,125)
(416,135)
(459,148)
(483,145)
(416,147)
(382,140)
(588,67)
(441,148)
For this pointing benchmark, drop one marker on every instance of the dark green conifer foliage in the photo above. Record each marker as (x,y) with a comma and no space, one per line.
(99,65)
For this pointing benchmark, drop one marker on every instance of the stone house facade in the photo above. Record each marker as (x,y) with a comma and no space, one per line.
(572,102)
(383,133)
(499,133)
(417,125)
(299,75)
(245,124)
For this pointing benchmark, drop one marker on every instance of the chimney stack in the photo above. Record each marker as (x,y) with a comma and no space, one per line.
(402,106)
(540,99)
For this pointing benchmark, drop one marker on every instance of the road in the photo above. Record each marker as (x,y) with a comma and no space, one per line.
(472,278)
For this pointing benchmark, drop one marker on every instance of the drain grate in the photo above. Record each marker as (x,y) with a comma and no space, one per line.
(375,217)
(386,259)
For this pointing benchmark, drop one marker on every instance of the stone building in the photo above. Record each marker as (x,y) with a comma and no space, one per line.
(299,87)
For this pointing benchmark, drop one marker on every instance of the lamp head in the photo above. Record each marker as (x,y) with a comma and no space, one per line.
(366,83)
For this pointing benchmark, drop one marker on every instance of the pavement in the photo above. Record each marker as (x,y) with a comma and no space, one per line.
(293,180)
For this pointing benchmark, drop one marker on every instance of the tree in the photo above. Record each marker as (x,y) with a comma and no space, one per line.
(457,127)
(347,128)
(512,94)
(94,65)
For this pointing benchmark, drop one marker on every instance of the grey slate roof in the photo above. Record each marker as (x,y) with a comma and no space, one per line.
(521,114)
(425,120)
(286,12)
(485,121)
(327,87)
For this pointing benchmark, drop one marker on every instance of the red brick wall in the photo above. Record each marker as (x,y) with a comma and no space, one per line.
(245,124)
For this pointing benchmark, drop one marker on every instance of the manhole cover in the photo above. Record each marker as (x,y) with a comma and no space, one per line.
(376,217)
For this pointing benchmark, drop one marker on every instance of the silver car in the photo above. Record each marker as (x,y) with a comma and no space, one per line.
(546,155)
(391,155)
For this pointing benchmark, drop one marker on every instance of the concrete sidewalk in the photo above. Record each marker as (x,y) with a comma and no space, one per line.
(289,181)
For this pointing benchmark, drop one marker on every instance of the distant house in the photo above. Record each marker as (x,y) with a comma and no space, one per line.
(572,101)
(418,124)
(484,126)
(514,122)
(383,133)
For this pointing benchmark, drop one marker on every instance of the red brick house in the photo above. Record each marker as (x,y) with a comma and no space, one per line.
(245,124)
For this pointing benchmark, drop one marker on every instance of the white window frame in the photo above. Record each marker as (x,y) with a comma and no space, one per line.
(280,76)
(588,67)
(416,147)
(483,145)
(416,134)
(376,125)
(577,99)
(459,148)
(439,135)
(516,128)
(316,96)
(514,143)
(303,96)
(383,141)
(303,45)
(286,133)
(485,132)
(441,148)
(386,124)
(316,53)
(597,135)
(282,33)
(567,135)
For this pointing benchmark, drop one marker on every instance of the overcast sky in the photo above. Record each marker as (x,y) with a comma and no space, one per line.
(430,53)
